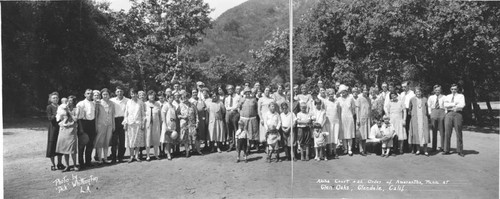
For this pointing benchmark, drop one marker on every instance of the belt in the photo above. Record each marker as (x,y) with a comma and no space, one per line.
(248,118)
(452,111)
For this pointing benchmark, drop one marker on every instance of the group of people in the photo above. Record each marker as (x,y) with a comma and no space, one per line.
(249,118)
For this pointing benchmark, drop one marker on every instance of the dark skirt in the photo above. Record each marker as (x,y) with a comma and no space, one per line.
(304,137)
(202,126)
(52,137)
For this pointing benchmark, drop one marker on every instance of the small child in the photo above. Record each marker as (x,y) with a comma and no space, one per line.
(319,141)
(64,100)
(304,138)
(287,125)
(241,141)
(386,140)
(319,118)
(272,124)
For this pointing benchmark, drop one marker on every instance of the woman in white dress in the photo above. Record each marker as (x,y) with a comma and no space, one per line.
(332,123)
(134,125)
(347,107)
(216,127)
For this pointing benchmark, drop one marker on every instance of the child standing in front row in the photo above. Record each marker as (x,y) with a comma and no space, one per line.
(304,138)
(319,141)
(241,141)
(272,122)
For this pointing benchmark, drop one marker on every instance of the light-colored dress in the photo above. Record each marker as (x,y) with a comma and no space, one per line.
(332,123)
(419,124)
(347,106)
(67,139)
(216,129)
(364,106)
(105,121)
(263,107)
(169,118)
(134,117)
(153,124)
(395,112)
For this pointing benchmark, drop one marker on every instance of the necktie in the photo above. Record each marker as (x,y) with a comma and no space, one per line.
(437,102)
(453,98)
(151,116)
(230,101)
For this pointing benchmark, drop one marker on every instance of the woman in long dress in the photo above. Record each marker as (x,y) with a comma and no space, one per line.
(419,123)
(152,125)
(263,109)
(363,120)
(216,128)
(332,124)
(168,132)
(105,126)
(397,115)
(53,132)
(347,106)
(134,125)
(67,139)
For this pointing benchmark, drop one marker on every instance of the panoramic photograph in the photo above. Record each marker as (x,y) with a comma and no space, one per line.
(250,99)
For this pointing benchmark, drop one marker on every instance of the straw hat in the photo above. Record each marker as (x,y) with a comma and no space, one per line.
(343,87)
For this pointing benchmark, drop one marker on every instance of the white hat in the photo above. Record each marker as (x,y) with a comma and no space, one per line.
(343,87)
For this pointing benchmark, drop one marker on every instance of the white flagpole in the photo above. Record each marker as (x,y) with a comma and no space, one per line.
(290,47)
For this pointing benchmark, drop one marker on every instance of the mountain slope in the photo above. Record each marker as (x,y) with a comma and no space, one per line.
(247,26)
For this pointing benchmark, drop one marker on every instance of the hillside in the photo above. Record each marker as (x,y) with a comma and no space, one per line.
(247,26)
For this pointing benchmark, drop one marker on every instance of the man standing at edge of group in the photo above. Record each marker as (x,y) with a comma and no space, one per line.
(86,123)
(232,115)
(405,97)
(454,103)
(437,111)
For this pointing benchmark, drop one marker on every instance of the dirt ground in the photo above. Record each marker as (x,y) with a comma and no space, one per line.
(27,174)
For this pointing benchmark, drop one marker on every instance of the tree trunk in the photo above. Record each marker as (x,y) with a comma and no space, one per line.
(490,110)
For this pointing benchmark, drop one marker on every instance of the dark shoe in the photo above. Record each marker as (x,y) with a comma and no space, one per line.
(445,153)
(66,169)
(113,161)
(238,161)
(60,166)
(461,154)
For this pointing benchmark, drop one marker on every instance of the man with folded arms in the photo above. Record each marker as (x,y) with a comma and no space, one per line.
(454,103)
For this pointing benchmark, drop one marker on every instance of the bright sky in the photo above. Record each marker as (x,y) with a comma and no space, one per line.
(220,6)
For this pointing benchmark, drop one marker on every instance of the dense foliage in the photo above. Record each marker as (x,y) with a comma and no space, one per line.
(72,45)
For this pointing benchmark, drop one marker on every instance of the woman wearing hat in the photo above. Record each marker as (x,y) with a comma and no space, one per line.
(347,107)
(248,115)
(216,127)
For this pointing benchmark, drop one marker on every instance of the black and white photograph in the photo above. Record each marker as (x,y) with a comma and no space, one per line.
(250,99)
